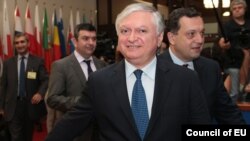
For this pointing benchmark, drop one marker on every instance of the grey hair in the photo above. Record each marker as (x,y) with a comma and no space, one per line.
(235,2)
(158,19)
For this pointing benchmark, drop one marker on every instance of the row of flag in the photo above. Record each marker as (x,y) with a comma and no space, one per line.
(51,45)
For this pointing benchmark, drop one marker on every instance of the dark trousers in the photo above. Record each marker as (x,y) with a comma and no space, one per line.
(21,127)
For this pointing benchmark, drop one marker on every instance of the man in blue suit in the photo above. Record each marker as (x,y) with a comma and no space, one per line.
(170,101)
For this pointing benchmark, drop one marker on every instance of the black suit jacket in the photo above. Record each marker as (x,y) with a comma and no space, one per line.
(220,105)
(177,100)
(9,86)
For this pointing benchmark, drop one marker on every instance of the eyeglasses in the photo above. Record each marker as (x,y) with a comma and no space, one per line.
(17,42)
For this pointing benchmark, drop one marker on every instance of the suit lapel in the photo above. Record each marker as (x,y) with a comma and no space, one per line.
(198,67)
(97,63)
(30,63)
(120,90)
(77,68)
(162,84)
(15,73)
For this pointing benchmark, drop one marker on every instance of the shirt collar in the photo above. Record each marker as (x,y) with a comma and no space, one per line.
(178,61)
(80,58)
(20,56)
(148,70)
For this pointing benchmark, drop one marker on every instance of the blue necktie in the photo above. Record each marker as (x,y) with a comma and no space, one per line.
(22,78)
(139,105)
(89,67)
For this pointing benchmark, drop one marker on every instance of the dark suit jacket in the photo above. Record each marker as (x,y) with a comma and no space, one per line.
(9,86)
(177,100)
(220,106)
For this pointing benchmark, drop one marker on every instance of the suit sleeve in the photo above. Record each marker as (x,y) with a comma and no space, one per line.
(43,78)
(226,112)
(74,122)
(57,98)
(3,85)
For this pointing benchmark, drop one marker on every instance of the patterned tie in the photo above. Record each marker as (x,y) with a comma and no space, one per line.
(139,105)
(89,67)
(22,78)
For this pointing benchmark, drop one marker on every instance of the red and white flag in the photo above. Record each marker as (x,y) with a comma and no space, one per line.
(70,44)
(29,30)
(38,34)
(7,43)
(18,22)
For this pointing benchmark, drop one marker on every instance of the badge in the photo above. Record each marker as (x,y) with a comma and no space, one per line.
(31,75)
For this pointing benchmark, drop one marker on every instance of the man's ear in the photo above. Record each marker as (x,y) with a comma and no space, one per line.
(171,38)
(74,41)
(160,38)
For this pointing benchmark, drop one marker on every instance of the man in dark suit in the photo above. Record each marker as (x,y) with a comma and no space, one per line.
(21,102)
(185,31)
(110,98)
(69,75)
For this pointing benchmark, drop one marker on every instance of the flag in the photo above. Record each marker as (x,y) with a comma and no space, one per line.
(29,30)
(61,33)
(1,49)
(77,17)
(38,32)
(46,42)
(18,22)
(7,44)
(91,18)
(56,41)
(84,18)
(70,44)
(1,59)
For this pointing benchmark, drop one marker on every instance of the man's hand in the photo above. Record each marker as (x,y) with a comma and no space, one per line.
(223,44)
(1,112)
(36,98)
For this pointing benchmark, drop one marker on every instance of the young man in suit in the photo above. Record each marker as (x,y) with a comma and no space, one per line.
(22,88)
(69,75)
(185,32)
(167,101)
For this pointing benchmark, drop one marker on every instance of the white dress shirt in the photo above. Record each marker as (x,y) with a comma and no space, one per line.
(178,61)
(83,65)
(148,81)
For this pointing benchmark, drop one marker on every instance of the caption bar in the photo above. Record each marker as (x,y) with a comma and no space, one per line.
(193,132)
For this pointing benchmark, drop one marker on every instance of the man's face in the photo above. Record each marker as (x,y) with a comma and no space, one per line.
(21,44)
(86,43)
(238,11)
(138,39)
(188,42)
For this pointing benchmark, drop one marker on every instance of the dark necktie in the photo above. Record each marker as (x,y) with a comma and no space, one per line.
(185,65)
(89,67)
(22,78)
(139,105)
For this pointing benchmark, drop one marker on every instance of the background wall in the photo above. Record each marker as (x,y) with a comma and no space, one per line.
(118,6)
(86,7)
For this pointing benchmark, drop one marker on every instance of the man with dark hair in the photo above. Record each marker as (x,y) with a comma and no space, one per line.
(69,75)
(185,32)
(22,89)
